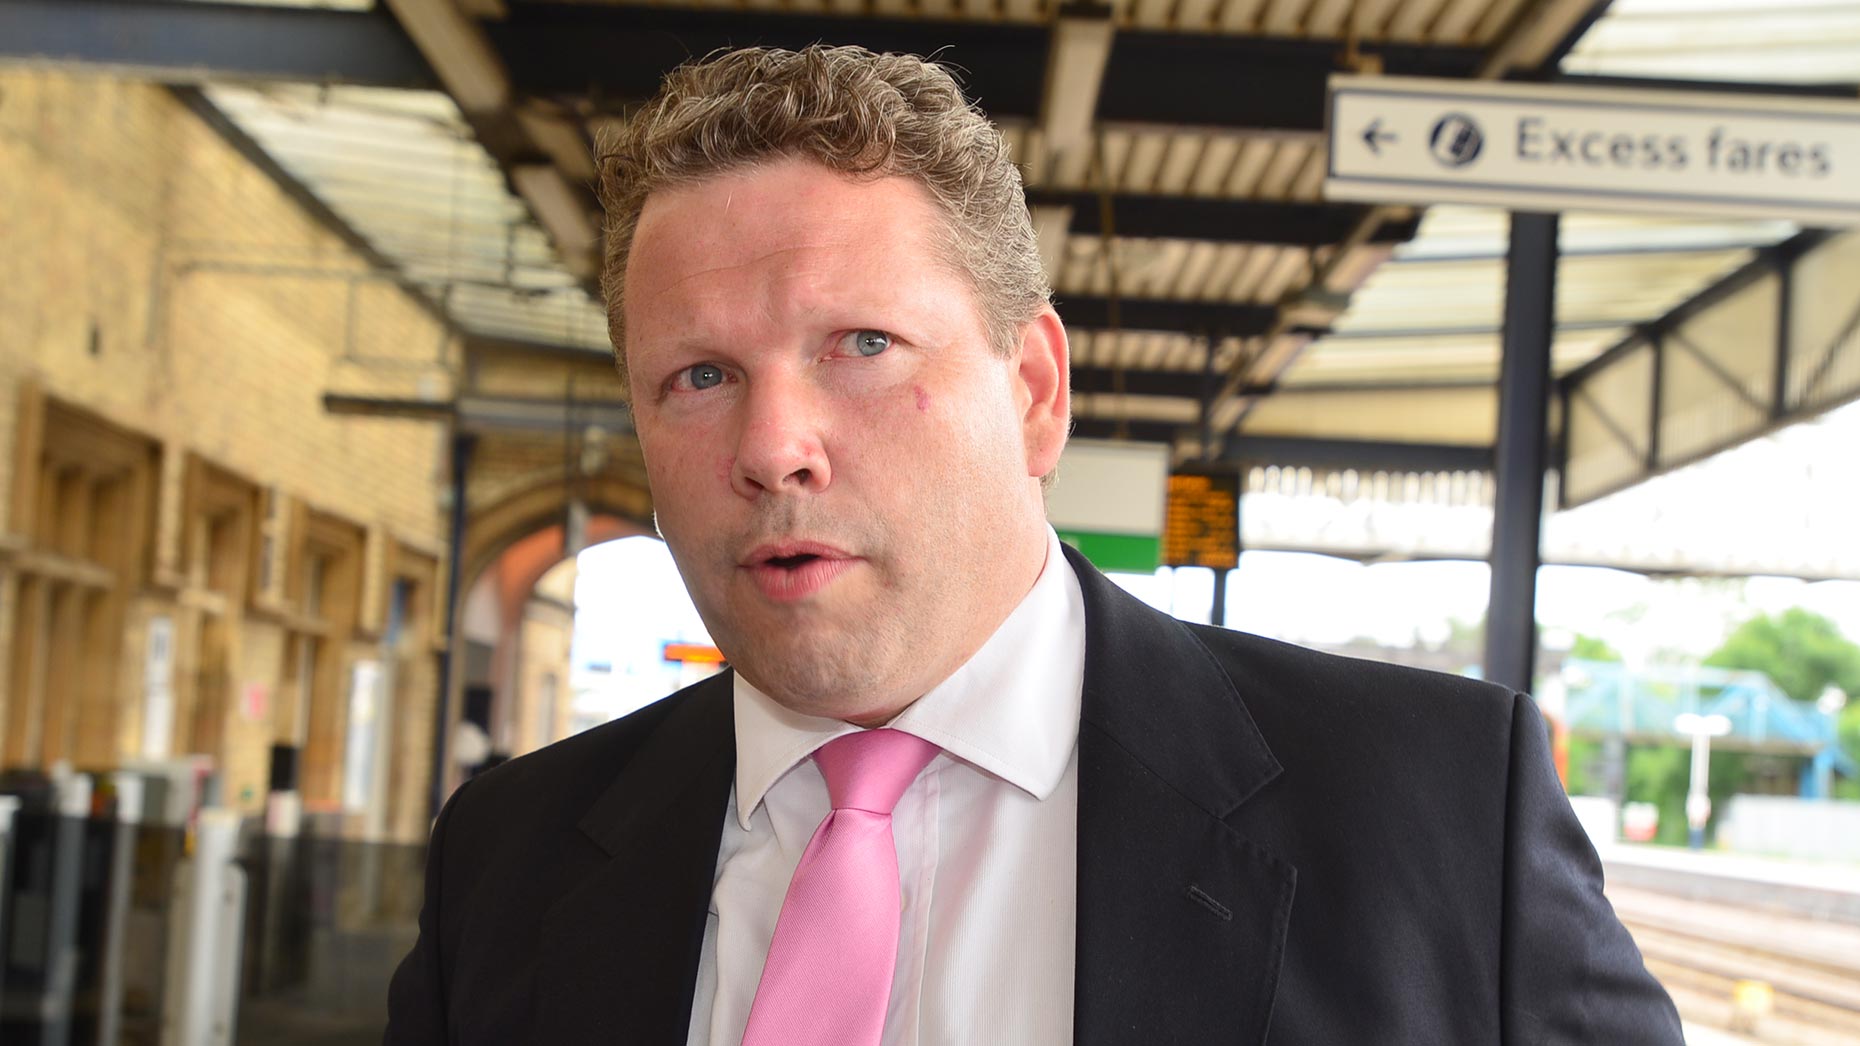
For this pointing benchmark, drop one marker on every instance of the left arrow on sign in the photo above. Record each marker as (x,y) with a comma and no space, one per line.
(1374,136)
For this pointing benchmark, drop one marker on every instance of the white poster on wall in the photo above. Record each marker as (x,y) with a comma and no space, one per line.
(158,689)
(364,733)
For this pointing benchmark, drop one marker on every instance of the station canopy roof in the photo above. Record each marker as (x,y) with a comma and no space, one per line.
(452,137)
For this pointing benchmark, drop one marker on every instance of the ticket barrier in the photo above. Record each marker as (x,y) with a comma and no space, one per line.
(9,808)
(206,935)
(40,964)
(96,889)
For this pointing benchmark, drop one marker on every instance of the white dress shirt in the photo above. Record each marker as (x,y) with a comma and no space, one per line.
(987,841)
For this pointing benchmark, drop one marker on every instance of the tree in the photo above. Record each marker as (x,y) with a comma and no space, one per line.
(1847,728)
(1804,654)
(1801,651)
(1591,648)
(1662,774)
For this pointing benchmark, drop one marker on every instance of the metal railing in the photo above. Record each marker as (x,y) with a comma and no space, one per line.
(1606,699)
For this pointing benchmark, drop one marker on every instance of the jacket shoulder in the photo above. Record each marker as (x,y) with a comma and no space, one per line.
(1367,721)
(550,788)
(1261,667)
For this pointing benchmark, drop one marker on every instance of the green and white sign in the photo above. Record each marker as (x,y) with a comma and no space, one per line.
(1108,502)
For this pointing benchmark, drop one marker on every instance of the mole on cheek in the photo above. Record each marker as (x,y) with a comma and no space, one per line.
(923,398)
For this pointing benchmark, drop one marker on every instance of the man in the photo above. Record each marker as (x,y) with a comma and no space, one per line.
(958,788)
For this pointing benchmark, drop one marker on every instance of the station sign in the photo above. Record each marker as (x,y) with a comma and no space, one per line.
(691,653)
(1107,502)
(1556,147)
(1201,525)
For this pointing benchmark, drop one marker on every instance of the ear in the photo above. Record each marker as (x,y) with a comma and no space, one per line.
(1045,373)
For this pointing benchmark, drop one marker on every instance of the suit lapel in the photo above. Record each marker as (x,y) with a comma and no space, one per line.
(621,945)
(1181,921)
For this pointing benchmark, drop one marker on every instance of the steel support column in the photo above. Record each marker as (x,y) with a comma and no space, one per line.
(1521,457)
(1210,384)
(463,443)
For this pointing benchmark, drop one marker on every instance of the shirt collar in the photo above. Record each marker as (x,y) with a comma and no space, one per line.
(1012,710)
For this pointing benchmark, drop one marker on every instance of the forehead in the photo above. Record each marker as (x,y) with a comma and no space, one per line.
(771,213)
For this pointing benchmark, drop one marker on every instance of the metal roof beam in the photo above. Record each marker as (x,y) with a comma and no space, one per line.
(619,53)
(1154,314)
(1188,385)
(1134,431)
(1844,91)
(1266,83)
(1362,455)
(1307,452)
(192,42)
(1222,221)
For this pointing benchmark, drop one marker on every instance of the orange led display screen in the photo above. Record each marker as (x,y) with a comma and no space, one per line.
(1202,525)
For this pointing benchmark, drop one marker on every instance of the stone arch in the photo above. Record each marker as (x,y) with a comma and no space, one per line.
(616,509)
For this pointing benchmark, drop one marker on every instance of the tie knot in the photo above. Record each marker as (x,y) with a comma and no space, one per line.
(869,770)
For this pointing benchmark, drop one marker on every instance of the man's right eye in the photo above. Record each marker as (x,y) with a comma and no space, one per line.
(701,376)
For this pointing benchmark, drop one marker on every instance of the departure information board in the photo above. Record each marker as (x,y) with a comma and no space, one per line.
(1202,524)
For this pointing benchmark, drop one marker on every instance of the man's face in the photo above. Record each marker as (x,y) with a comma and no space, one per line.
(844,469)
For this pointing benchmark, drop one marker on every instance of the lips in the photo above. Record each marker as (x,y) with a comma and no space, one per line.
(789,571)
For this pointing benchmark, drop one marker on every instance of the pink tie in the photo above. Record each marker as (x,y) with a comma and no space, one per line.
(827,981)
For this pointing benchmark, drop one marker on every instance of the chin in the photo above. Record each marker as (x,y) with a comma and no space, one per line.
(835,677)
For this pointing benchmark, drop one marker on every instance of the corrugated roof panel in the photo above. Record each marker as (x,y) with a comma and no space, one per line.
(402,169)
(340,5)
(1239,16)
(1797,41)
(1328,18)
(1481,232)
(1276,180)
(1151,14)
(1411,20)
(1246,284)
(1598,288)
(1496,18)
(1221,274)
(1180,162)
(1141,163)
(1216,163)
(1291,269)
(1283,17)
(1309,183)
(1135,408)
(1456,21)
(1255,154)
(1197,15)
(1439,357)
(1191,274)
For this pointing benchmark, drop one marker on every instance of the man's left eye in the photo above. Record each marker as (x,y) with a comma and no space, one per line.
(870,342)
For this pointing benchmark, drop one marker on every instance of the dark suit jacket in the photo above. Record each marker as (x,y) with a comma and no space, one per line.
(1275,846)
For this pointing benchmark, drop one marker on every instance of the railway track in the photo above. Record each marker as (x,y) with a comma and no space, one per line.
(1701,951)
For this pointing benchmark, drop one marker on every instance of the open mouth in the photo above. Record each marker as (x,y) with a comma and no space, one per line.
(794,571)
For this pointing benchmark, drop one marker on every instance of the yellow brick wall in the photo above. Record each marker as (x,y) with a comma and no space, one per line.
(151,275)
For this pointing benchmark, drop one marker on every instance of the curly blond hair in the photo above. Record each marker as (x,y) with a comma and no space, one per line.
(862,114)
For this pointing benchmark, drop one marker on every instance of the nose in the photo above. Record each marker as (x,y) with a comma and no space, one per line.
(780,449)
